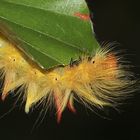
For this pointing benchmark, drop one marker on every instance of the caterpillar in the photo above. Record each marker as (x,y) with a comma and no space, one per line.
(99,80)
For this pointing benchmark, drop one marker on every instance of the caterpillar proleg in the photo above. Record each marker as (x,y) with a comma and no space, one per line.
(99,80)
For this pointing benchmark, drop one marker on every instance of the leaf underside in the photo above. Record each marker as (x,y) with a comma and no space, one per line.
(50,32)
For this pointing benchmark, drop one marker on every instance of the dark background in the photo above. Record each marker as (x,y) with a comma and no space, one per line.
(114,20)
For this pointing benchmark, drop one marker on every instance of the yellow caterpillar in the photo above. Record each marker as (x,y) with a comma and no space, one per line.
(99,80)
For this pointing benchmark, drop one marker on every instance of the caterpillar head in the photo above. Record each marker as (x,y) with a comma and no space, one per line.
(104,66)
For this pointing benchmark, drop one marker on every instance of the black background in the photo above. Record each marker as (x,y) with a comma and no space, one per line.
(114,20)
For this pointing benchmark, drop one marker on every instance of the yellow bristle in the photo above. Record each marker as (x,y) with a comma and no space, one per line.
(98,80)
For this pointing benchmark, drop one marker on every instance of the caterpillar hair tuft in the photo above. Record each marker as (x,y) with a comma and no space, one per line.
(99,80)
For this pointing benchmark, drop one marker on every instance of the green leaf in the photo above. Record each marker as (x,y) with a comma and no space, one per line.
(50,31)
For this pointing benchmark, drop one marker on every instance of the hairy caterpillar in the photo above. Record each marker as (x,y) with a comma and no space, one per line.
(99,80)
